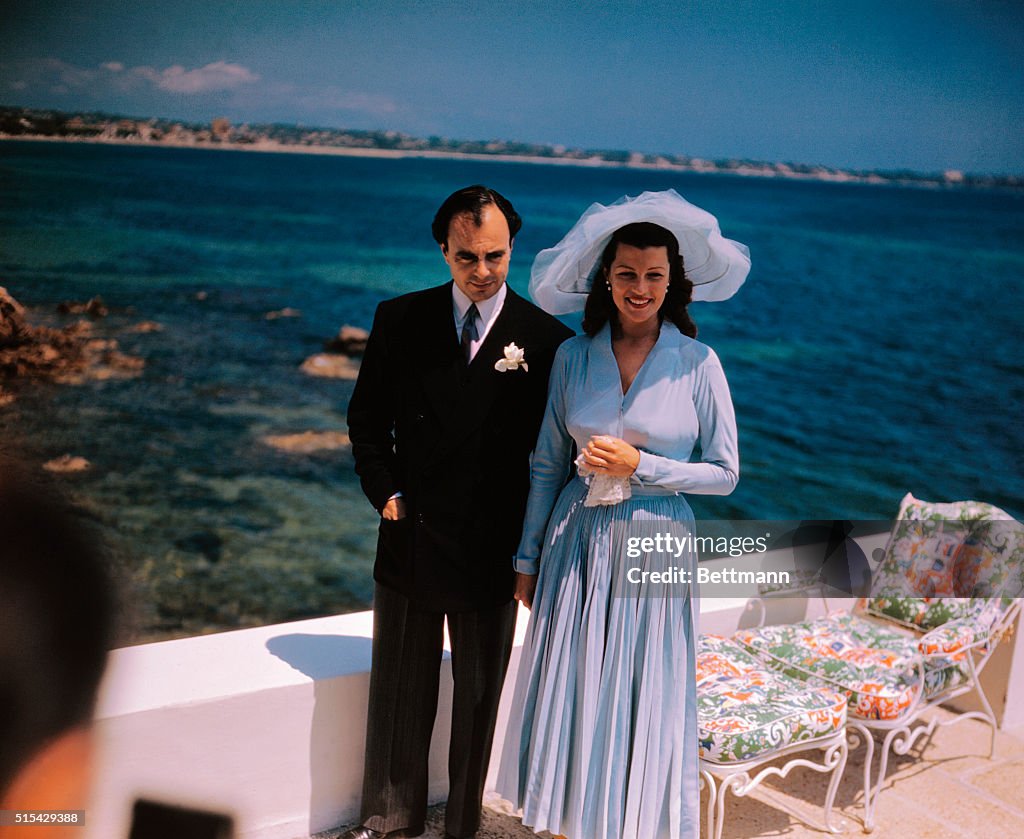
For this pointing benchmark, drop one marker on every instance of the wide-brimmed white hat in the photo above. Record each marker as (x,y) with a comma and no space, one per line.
(562,276)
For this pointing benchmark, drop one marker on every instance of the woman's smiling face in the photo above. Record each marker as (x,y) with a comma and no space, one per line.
(639,280)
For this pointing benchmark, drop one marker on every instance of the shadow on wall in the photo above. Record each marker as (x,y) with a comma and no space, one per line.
(336,740)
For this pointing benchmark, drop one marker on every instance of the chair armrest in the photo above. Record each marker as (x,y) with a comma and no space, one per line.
(953,637)
(989,623)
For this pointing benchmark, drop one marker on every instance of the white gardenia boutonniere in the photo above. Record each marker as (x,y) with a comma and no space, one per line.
(513,359)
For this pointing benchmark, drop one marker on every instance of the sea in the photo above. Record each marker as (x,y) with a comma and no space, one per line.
(874,350)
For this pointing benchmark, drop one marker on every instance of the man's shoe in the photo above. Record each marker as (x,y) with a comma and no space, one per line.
(362,832)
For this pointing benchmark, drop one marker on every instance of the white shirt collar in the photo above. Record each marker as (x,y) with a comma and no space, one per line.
(488,308)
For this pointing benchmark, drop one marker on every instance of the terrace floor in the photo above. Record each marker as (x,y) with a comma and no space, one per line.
(945,788)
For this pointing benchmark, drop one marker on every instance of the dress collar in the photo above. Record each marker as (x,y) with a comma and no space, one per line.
(669,334)
(601,354)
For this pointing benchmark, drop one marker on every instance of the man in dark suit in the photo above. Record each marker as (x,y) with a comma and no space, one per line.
(443,418)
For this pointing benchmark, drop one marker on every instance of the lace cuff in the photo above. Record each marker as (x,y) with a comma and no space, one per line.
(602,489)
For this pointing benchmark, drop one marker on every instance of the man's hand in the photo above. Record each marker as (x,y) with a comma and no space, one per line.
(394,509)
(611,456)
(526,585)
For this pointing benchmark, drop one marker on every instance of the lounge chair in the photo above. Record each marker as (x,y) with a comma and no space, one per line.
(944,593)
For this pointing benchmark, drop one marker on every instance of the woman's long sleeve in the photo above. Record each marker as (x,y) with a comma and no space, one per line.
(719,467)
(550,466)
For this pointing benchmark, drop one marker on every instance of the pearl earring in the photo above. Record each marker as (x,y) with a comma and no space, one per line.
(608,284)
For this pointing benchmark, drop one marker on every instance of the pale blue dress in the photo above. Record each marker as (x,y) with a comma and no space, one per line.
(602,737)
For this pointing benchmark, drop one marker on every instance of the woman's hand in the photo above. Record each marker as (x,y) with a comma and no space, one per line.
(526,585)
(611,456)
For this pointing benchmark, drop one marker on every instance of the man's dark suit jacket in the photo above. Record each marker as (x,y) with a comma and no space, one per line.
(455,440)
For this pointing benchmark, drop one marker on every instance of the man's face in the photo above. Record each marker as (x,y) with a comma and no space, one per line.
(478,256)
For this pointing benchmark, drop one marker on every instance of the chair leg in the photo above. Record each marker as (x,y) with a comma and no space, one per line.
(883,767)
(872,787)
(833,786)
(856,733)
(706,778)
(729,780)
(988,715)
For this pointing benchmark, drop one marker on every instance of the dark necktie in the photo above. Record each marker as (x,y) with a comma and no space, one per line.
(470,331)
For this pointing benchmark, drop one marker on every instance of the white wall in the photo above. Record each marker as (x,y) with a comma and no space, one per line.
(268,723)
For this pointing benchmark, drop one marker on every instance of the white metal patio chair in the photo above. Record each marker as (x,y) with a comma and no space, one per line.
(749,715)
(945,592)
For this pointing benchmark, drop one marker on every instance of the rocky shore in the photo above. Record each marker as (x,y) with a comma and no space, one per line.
(82,351)
(72,354)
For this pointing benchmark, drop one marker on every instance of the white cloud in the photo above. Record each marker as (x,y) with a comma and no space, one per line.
(62,77)
(245,89)
(220,75)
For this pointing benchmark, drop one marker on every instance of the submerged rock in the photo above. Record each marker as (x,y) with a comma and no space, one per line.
(286,312)
(338,360)
(331,366)
(144,327)
(94,308)
(350,340)
(308,442)
(102,364)
(67,463)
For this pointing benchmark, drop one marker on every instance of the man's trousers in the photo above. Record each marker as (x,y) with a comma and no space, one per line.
(404,680)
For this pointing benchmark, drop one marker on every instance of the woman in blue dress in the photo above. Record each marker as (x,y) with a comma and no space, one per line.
(602,737)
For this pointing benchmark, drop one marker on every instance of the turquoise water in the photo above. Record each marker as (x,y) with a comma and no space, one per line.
(874,349)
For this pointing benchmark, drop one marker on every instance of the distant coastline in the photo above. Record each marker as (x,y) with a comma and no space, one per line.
(93,127)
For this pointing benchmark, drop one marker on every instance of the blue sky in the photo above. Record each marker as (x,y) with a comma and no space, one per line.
(920,84)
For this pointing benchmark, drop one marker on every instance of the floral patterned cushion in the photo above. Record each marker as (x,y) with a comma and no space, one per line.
(922,612)
(957,635)
(873,664)
(745,709)
(996,568)
(938,557)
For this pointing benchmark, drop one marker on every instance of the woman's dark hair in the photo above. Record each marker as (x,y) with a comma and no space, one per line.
(472,200)
(600,308)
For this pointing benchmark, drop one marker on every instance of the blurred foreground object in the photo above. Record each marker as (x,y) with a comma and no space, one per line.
(153,820)
(57,607)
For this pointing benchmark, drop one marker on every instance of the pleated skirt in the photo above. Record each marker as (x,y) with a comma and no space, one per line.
(601,741)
